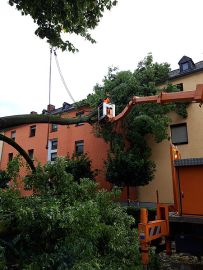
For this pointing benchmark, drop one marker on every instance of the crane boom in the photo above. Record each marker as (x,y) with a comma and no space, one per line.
(160,227)
(162,98)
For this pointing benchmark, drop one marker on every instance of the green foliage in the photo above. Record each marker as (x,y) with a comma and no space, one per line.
(129,168)
(50,179)
(4,179)
(80,167)
(129,158)
(55,17)
(11,172)
(74,227)
(13,167)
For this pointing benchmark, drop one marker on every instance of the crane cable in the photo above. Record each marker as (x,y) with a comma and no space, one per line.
(64,83)
(62,78)
(50,69)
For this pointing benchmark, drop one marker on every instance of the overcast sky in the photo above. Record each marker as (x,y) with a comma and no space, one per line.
(125,35)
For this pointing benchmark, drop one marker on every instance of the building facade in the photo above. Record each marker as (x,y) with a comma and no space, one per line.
(1,148)
(45,142)
(187,134)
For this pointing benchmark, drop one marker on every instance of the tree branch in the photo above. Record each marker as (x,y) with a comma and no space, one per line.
(17,120)
(20,150)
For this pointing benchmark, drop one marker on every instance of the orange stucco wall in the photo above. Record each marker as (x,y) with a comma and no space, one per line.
(95,147)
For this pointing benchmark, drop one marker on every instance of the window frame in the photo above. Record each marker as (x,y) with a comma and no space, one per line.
(186,132)
(183,65)
(79,114)
(51,154)
(31,153)
(33,129)
(12,133)
(54,144)
(179,86)
(78,144)
(54,127)
(10,157)
(52,150)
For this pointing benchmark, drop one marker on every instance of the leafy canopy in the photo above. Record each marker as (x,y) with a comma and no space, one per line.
(45,181)
(54,17)
(80,167)
(67,225)
(129,157)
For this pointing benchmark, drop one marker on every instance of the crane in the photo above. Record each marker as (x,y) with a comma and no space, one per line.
(182,221)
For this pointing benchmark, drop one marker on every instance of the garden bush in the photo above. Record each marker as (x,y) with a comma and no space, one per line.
(65,225)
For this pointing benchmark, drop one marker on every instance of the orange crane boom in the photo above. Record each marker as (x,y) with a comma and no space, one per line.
(162,98)
(160,227)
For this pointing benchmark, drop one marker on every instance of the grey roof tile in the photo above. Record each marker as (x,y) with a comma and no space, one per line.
(176,73)
(188,162)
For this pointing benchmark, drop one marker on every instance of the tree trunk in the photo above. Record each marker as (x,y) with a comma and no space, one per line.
(17,120)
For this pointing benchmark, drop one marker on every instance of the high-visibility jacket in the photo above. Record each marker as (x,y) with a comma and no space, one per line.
(106,100)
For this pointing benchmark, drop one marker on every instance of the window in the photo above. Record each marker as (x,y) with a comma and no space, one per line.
(13,135)
(79,114)
(31,153)
(32,131)
(179,134)
(53,156)
(79,147)
(179,86)
(10,156)
(54,127)
(52,149)
(185,66)
(54,144)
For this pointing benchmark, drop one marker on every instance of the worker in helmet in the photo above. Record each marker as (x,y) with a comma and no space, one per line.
(106,99)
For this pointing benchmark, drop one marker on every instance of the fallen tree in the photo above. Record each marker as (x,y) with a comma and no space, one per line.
(17,120)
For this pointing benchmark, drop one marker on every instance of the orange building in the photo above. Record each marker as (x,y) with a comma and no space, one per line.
(62,141)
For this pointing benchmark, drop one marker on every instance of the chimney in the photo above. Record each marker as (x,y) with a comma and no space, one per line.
(50,108)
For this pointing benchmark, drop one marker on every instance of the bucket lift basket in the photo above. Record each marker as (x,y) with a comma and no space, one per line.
(106,110)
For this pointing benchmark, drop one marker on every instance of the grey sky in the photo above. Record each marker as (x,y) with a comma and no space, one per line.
(168,29)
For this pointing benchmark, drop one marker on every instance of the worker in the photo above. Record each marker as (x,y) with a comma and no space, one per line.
(106,99)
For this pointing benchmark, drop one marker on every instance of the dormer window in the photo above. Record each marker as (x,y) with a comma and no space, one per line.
(186,64)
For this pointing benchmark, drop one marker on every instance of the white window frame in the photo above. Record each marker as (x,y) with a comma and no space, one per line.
(50,150)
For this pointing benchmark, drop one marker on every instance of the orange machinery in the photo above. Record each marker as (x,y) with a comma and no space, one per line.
(184,223)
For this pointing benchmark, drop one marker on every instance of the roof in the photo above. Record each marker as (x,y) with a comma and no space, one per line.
(185,59)
(65,108)
(177,73)
(188,162)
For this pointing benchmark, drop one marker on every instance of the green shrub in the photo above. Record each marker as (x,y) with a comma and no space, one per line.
(80,167)
(4,179)
(67,225)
